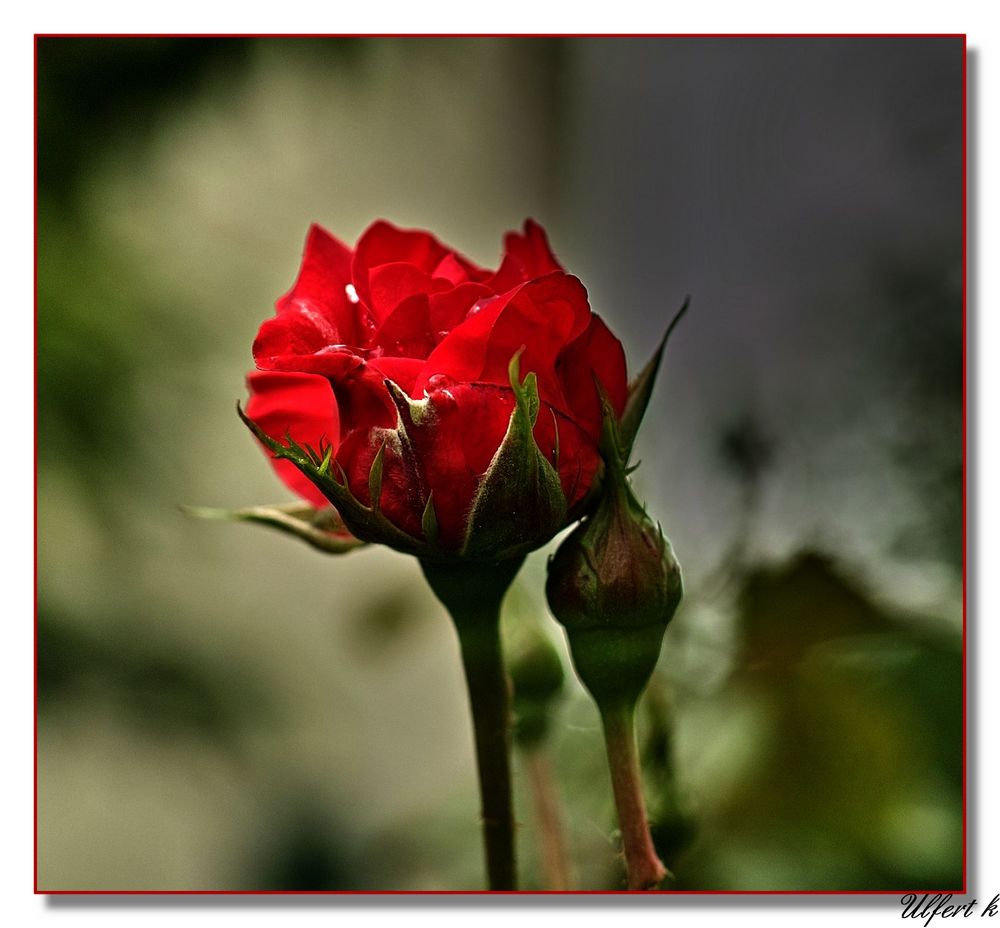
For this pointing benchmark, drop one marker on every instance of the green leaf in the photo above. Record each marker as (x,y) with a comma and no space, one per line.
(520,502)
(641,388)
(321,528)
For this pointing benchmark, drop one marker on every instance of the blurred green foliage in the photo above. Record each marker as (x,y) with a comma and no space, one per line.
(160,689)
(860,721)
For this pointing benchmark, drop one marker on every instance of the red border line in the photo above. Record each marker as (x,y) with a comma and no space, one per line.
(500,35)
(965,460)
(471,892)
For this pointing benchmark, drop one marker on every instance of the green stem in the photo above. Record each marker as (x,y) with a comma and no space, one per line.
(645,870)
(472,593)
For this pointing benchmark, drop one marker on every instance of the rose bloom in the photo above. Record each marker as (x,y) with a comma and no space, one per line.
(404,345)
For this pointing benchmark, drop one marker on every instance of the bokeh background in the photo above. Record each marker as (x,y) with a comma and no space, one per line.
(220,707)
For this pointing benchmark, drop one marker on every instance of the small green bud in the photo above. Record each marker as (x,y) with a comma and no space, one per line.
(615,584)
(536,670)
(535,667)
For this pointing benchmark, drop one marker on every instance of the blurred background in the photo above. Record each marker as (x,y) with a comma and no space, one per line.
(220,707)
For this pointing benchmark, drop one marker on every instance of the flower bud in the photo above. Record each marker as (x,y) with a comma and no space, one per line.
(536,671)
(614,584)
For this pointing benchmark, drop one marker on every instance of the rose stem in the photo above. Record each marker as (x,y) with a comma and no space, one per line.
(645,870)
(472,594)
(555,864)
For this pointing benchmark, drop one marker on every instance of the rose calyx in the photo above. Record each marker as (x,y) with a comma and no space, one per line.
(518,506)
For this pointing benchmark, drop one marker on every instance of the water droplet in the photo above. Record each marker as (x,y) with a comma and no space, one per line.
(438,382)
(479,306)
(352,294)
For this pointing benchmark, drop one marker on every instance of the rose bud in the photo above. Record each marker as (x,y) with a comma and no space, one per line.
(615,584)
(536,670)
(445,410)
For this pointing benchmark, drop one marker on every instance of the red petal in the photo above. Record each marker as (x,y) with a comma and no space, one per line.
(406,331)
(320,289)
(568,448)
(363,399)
(596,353)
(292,335)
(401,371)
(449,308)
(526,256)
(416,326)
(302,406)
(402,501)
(468,425)
(391,284)
(384,243)
(456,269)
(286,344)
(541,317)
(533,250)
(359,385)
(446,454)
(472,419)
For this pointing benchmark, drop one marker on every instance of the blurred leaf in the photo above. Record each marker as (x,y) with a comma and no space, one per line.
(788,608)
(323,529)
(95,91)
(853,716)
(160,688)
(386,621)
(302,854)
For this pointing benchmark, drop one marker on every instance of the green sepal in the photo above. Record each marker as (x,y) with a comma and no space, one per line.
(365,522)
(321,528)
(412,413)
(411,416)
(428,521)
(324,466)
(520,502)
(612,446)
(640,390)
(375,479)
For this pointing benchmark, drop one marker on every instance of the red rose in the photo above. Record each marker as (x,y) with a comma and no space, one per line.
(464,399)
